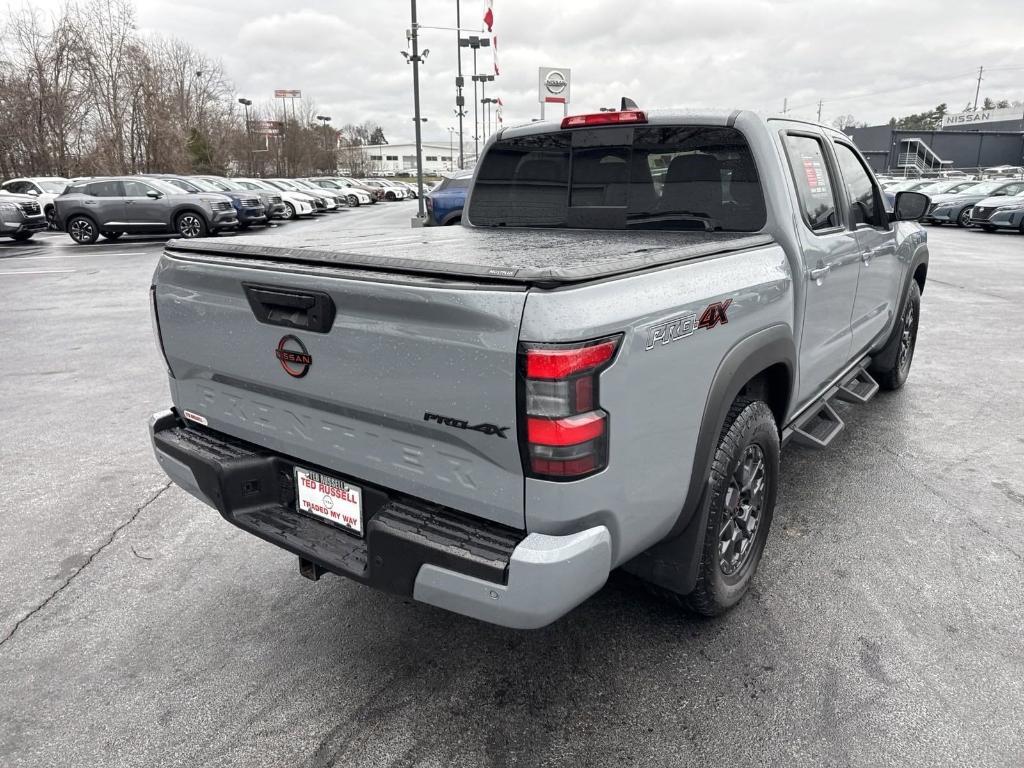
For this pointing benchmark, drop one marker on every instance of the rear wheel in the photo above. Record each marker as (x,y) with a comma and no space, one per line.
(964,219)
(111,235)
(190,225)
(82,230)
(891,366)
(742,490)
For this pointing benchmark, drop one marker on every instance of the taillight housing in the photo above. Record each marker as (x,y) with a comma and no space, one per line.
(154,319)
(563,429)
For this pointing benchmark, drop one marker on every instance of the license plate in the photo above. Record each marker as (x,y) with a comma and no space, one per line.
(330,499)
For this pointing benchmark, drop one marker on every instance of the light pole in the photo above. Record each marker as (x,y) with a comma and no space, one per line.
(460,101)
(415,60)
(325,119)
(451,147)
(487,111)
(248,135)
(483,80)
(476,43)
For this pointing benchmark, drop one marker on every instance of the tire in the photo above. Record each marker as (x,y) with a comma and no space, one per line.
(1021,227)
(51,218)
(741,492)
(244,225)
(453,222)
(290,212)
(391,196)
(83,230)
(21,237)
(891,366)
(111,235)
(964,217)
(353,201)
(988,227)
(190,225)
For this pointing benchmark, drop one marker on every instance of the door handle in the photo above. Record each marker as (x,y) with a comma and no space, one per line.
(129,202)
(820,272)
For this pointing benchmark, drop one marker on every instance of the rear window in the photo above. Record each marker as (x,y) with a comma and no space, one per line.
(651,177)
(460,183)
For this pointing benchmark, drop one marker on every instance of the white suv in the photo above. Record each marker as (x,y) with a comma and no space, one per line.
(44,188)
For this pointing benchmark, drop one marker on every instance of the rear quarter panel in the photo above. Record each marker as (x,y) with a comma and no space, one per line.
(655,393)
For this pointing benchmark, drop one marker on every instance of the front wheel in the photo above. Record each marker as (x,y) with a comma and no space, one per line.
(353,201)
(190,225)
(82,230)
(891,366)
(988,227)
(741,497)
(289,211)
(21,237)
(964,219)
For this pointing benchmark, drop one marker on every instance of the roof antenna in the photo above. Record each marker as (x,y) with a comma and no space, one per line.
(628,103)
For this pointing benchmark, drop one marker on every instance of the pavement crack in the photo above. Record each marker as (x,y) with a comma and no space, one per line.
(964,288)
(92,556)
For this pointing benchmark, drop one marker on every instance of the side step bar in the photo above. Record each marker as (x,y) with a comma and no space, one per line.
(819,424)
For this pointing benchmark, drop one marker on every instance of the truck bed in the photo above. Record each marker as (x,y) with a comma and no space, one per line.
(544,257)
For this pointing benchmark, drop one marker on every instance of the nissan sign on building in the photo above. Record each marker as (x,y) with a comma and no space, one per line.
(963,120)
(553,85)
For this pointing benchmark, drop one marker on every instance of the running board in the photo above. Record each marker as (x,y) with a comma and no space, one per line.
(819,427)
(860,387)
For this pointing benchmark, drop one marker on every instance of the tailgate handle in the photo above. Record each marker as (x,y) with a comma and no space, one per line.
(307,310)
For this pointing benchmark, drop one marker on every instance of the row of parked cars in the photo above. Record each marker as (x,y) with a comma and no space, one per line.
(189,206)
(989,205)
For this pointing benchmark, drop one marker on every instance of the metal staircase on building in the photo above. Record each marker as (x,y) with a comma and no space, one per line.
(917,159)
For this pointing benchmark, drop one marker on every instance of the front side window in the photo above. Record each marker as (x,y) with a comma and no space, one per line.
(184,185)
(859,188)
(813,185)
(696,178)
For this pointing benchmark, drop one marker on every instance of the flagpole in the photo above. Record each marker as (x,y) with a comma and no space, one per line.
(459,100)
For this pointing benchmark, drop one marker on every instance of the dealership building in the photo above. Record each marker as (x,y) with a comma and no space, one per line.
(401,158)
(982,138)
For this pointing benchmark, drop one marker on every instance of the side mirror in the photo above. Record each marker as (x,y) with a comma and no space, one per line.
(154,194)
(33,192)
(910,206)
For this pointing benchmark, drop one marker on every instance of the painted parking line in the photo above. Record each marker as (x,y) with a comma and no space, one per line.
(37,271)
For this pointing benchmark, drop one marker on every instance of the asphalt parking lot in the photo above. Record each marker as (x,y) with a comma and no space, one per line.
(138,628)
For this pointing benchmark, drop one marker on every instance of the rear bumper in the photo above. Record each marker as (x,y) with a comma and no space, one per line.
(412,548)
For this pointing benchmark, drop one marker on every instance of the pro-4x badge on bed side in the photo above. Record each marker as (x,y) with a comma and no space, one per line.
(683,326)
(448,421)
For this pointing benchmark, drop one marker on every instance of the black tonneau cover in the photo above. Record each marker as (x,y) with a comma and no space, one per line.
(525,256)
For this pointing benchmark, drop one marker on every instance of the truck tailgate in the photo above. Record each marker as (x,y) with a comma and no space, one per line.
(389,395)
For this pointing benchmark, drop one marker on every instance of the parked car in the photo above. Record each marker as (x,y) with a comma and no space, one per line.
(271,199)
(390,192)
(445,201)
(336,196)
(946,187)
(321,202)
(928,187)
(114,206)
(596,370)
(956,209)
(377,193)
(412,189)
(21,216)
(354,196)
(45,189)
(247,204)
(296,204)
(994,213)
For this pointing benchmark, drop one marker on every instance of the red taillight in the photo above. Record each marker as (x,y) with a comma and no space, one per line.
(605,118)
(566,431)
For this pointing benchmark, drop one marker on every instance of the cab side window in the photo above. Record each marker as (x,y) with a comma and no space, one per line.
(133,188)
(859,188)
(810,173)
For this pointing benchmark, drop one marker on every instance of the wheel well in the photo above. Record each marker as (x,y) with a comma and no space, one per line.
(773,385)
(920,274)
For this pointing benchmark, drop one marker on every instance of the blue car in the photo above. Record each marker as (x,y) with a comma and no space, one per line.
(445,201)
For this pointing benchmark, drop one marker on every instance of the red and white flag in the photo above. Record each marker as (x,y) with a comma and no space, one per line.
(489,16)
(498,110)
(494,50)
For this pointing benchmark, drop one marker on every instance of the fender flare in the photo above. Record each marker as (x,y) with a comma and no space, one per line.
(187,207)
(673,562)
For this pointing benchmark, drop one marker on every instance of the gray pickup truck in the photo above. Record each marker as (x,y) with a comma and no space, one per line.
(596,370)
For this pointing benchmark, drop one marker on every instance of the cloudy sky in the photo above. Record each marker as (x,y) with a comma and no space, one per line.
(871,58)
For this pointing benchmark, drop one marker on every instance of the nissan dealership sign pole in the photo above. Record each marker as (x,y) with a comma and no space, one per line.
(553,87)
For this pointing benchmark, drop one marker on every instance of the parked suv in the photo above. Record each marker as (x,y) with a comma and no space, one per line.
(445,201)
(355,196)
(248,205)
(956,209)
(272,200)
(45,189)
(112,207)
(20,216)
